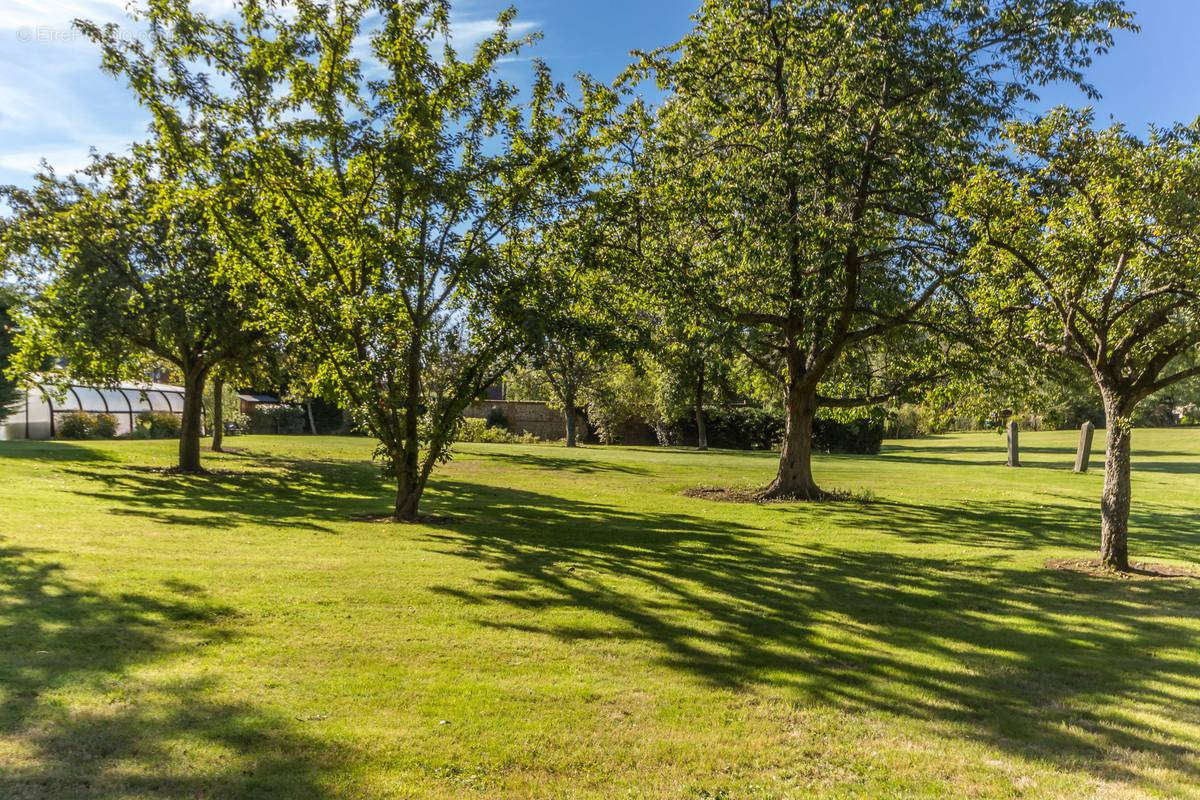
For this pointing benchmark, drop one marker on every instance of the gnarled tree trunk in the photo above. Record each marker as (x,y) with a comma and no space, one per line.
(408,495)
(218,435)
(701,432)
(1114,502)
(795,478)
(192,422)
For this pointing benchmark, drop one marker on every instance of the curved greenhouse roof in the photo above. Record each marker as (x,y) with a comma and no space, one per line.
(36,415)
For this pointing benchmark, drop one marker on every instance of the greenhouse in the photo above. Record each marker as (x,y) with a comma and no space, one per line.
(36,416)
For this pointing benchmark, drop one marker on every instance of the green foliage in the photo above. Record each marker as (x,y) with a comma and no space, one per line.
(157,425)
(860,436)
(1088,252)
(479,431)
(231,409)
(391,187)
(734,428)
(122,268)
(10,392)
(496,418)
(279,419)
(624,395)
(910,421)
(82,425)
(794,182)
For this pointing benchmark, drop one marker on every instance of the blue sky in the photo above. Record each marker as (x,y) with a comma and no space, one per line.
(55,103)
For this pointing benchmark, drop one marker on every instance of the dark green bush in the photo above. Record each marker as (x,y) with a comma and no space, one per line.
(862,436)
(281,419)
(734,428)
(81,425)
(157,425)
(104,426)
(496,418)
(749,428)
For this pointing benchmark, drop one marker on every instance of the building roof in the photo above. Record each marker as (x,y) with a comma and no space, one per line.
(258,398)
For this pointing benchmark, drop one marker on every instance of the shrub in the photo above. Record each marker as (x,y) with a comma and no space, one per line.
(284,419)
(910,422)
(104,426)
(863,436)
(157,425)
(496,418)
(81,425)
(478,431)
(734,428)
(237,423)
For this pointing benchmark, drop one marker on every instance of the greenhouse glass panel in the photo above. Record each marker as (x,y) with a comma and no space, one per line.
(62,399)
(37,421)
(117,403)
(158,400)
(121,407)
(139,400)
(90,400)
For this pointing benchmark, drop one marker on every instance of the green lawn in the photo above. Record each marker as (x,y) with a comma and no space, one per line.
(578,628)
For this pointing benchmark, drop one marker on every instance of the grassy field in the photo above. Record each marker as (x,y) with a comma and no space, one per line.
(578,628)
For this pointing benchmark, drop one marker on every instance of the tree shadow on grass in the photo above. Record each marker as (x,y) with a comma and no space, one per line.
(82,723)
(276,492)
(1042,664)
(1154,533)
(1044,457)
(585,464)
(52,452)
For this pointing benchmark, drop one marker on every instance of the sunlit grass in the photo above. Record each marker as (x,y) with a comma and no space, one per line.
(576,627)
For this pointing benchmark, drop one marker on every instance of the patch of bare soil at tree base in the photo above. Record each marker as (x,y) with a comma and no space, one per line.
(724,494)
(424,519)
(1138,571)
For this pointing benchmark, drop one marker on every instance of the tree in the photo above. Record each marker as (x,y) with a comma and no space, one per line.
(693,364)
(10,392)
(794,181)
(1089,250)
(587,313)
(125,267)
(388,193)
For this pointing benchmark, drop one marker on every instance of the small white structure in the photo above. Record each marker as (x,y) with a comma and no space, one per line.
(36,416)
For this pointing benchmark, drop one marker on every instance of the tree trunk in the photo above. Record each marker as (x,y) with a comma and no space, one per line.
(701,432)
(218,415)
(408,496)
(193,419)
(312,425)
(409,484)
(1114,502)
(569,414)
(795,479)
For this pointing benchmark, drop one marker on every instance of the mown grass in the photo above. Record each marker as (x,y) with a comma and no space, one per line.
(579,628)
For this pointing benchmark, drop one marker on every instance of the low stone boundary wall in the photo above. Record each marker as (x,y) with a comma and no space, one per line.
(528,416)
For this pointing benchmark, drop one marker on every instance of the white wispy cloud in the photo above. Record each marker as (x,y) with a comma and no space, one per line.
(56,104)
(17,14)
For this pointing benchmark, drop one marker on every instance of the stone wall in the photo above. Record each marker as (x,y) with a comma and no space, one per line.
(528,416)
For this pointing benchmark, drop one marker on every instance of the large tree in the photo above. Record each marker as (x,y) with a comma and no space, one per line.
(10,391)
(122,265)
(391,182)
(1089,251)
(793,182)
